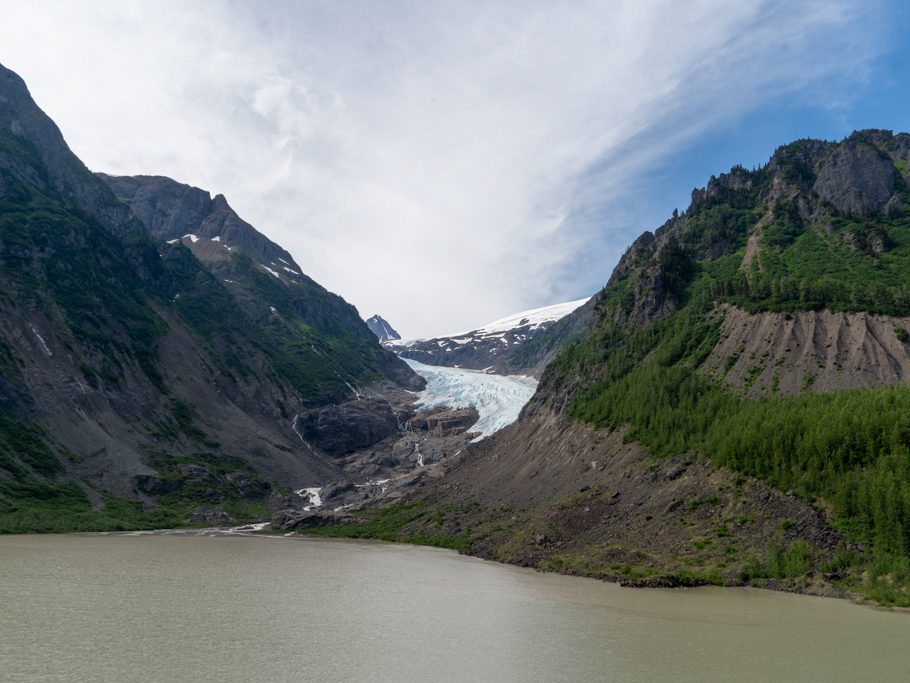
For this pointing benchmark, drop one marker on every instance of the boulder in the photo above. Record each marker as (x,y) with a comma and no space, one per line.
(445,421)
(196,473)
(336,489)
(249,487)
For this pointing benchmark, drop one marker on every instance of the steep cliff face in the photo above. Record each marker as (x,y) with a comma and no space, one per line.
(821,226)
(381,328)
(131,370)
(760,334)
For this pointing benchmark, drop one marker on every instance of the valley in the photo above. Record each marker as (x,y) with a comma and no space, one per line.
(734,411)
(490,342)
(731,408)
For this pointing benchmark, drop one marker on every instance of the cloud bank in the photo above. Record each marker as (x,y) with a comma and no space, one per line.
(443,164)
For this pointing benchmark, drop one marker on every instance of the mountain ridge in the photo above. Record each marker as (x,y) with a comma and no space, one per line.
(521,343)
(138,387)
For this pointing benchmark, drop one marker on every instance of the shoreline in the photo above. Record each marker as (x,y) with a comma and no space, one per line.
(658,582)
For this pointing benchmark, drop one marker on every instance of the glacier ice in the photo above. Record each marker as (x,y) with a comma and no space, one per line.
(497,398)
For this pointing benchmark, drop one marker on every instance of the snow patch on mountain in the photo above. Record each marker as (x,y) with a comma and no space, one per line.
(533,318)
(491,346)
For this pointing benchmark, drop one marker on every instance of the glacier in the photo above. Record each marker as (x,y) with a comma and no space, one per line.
(497,398)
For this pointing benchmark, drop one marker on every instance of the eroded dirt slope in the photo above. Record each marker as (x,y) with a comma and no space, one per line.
(785,353)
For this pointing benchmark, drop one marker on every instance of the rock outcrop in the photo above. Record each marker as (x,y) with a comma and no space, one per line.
(856,179)
(444,421)
(381,328)
(350,426)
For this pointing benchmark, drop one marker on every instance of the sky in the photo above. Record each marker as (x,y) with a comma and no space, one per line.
(445,164)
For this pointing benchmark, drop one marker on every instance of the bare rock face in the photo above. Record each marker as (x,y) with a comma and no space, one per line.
(856,179)
(345,428)
(381,328)
(445,421)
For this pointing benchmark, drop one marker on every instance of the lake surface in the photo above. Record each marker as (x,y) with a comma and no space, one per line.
(244,608)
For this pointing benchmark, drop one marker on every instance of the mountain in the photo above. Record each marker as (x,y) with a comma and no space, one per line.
(158,356)
(737,410)
(264,280)
(519,343)
(382,329)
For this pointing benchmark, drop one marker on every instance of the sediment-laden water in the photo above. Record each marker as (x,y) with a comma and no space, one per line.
(244,608)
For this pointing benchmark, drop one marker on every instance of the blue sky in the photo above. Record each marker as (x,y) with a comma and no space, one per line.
(880,100)
(878,96)
(448,163)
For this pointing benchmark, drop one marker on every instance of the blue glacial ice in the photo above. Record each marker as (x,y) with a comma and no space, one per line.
(497,398)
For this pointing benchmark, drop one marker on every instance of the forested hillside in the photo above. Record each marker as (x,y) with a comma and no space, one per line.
(821,227)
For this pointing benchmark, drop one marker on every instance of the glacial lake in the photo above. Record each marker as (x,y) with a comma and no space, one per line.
(250,608)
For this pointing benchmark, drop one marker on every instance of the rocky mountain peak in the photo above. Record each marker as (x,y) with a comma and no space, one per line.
(381,328)
(172,210)
(807,185)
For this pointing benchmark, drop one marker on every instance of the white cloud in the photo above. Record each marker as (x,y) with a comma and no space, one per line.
(443,164)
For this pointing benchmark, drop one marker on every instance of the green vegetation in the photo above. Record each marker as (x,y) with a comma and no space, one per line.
(61,261)
(418,522)
(316,359)
(840,271)
(848,451)
(785,564)
(68,510)
(35,496)
(32,499)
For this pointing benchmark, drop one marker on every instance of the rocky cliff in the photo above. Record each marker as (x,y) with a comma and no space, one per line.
(381,328)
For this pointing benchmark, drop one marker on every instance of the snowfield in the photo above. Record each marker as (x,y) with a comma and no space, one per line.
(498,398)
(529,321)
(534,317)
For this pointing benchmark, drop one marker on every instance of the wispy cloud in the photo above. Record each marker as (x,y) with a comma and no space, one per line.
(440,163)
